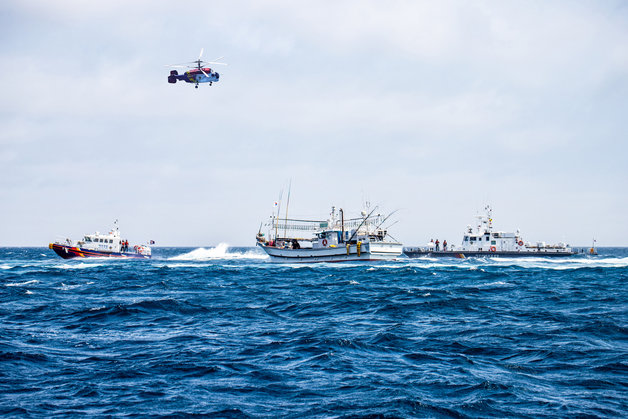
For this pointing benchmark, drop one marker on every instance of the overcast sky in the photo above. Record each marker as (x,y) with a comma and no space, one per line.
(431,107)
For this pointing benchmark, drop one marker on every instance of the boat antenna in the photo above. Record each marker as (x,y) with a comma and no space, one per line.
(361,224)
(285,227)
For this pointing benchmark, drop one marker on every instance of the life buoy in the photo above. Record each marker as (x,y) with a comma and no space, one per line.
(520,243)
(324,242)
(493,249)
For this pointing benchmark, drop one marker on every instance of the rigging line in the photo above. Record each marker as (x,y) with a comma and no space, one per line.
(393,238)
(321,221)
(386,230)
(391,226)
(305,221)
(384,220)
(363,221)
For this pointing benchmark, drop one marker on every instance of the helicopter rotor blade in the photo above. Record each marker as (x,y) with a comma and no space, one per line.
(198,64)
(203,71)
(217,61)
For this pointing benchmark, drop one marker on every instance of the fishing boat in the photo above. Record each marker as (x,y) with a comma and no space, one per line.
(485,242)
(333,240)
(101,245)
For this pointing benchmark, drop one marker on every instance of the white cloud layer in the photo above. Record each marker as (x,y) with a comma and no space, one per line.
(432,107)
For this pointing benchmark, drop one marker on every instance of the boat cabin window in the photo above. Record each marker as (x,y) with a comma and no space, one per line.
(466,238)
(87,239)
(472,239)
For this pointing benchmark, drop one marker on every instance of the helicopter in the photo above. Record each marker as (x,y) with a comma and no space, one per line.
(197,74)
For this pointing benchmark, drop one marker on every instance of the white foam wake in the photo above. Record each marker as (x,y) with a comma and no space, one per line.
(527,262)
(21,284)
(81,265)
(222,251)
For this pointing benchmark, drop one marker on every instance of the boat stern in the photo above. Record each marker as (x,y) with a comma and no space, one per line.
(385,250)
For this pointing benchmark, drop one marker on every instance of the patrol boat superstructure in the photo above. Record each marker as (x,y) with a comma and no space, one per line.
(333,240)
(486,242)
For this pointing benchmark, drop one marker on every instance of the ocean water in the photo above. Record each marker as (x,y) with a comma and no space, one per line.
(221,332)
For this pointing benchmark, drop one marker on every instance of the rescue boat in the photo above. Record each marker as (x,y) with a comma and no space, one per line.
(100,245)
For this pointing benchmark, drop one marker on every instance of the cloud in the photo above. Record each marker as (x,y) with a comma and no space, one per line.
(411,102)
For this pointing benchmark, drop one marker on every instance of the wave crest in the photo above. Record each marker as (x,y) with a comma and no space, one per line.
(222,251)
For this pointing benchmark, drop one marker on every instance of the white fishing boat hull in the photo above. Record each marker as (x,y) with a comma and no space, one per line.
(369,251)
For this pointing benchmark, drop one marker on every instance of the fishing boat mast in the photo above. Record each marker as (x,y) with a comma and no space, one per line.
(342,223)
(276,220)
(285,228)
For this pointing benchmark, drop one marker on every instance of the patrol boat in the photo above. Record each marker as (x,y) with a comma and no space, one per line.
(333,240)
(486,242)
(100,245)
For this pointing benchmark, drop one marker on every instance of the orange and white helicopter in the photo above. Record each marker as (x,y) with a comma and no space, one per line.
(197,74)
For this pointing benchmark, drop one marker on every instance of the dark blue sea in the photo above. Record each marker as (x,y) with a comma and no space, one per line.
(221,332)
